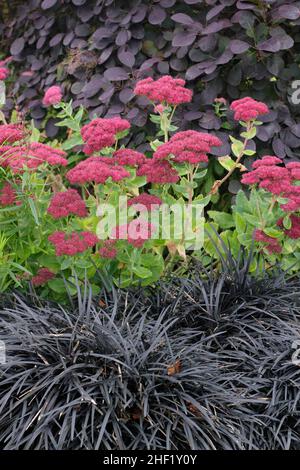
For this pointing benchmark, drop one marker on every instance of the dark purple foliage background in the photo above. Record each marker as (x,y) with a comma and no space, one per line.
(98,49)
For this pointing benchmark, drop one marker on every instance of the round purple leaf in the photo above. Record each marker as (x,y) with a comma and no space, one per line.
(182,18)
(238,47)
(46,4)
(17,46)
(182,38)
(126,58)
(289,12)
(126,95)
(214,12)
(105,55)
(82,30)
(194,71)
(163,68)
(140,15)
(270,45)
(78,3)
(157,15)
(93,86)
(122,37)
(56,40)
(51,129)
(115,74)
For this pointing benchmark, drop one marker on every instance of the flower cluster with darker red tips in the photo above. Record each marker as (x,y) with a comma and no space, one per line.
(97,170)
(73,243)
(11,133)
(67,203)
(271,244)
(108,249)
(145,202)
(158,172)
(129,157)
(248,109)
(42,277)
(136,232)
(101,133)
(277,180)
(8,195)
(31,156)
(164,90)
(188,146)
(294,231)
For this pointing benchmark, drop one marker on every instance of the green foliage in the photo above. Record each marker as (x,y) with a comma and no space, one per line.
(26,225)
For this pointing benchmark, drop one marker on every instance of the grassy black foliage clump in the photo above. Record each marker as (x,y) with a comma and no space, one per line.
(200,363)
(91,381)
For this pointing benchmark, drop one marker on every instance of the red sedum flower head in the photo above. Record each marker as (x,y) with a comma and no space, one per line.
(248,109)
(160,172)
(136,232)
(294,231)
(11,133)
(108,249)
(164,90)
(277,180)
(67,203)
(71,244)
(101,133)
(188,146)
(145,202)
(32,156)
(97,170)
(268,175)
(52,96)
(129,157)
(271,244)
(42,277)
(8,196)
(293,197)
(268,160)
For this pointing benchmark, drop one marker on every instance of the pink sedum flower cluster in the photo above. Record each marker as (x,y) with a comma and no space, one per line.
(8,196)
(294,231)
(31,156)
(277,180)
(136,232)
(145,202)
(271,244)
(11,133)
(129,157)
(188,146)
(108,250)
(164,90)
(97,170)
(72,244)
(52,96)
(158,172)
(67,203)
(101,133)
(248,109)
(42,277)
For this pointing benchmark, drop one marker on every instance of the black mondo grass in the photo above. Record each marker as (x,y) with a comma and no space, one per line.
(208,362)
(93,382)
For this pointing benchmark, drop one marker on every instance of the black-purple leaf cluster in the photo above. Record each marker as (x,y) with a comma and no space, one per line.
(223,48)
